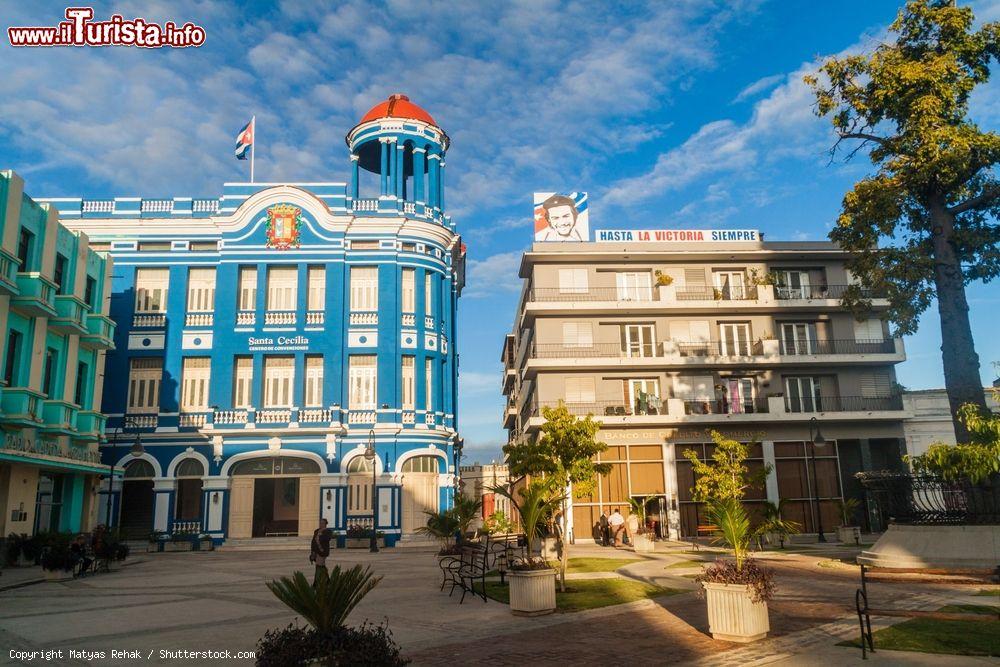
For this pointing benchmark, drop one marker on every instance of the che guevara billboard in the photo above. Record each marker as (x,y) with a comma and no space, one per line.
(561,217)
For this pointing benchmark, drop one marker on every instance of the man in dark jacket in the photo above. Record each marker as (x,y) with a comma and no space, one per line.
(604,529)
(319,549)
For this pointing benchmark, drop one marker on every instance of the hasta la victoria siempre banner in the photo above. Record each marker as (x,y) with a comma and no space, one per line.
(561,217)
(678,235)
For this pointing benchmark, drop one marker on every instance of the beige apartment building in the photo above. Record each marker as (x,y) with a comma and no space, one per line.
(664,341)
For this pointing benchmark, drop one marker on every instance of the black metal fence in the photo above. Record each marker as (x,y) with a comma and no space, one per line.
(906,498)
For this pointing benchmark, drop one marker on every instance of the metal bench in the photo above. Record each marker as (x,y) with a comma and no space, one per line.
(866,611)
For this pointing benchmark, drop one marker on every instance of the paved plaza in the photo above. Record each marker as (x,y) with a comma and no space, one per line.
(218,601)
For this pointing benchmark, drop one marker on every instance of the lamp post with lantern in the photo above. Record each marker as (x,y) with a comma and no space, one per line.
(370,457)
(817,440)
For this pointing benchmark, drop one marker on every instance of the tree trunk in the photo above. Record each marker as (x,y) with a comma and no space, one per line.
(563,550)
(958,350)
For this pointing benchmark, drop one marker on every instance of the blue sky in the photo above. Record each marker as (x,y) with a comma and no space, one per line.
(678,114)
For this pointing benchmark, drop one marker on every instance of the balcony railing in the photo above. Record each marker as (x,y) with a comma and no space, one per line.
(35,293)
(199,319)
(315,317)
(708,293)
(246,318)
(725,406)
(192,419)
(364,318)
(930,500)
(274,416)
(428,322)
(315,415)
(100,332)
(276,317)
(843,403)
(149,320)
(141,420)
(8,273)
(596,350)
(70,314)
(361,417)
(783,293)
(230,417)
(836,346)
(365,205)
(409,320)
(608,409)
(542,294)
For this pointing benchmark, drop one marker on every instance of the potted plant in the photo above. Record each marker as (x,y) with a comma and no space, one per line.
(737,590)
(848,532)
(179,541)
(498,524)
(57,559)
(325,606)
(359,537)
(532,581)
(442,526)
(157,540)
(642,539)
(773,527)
(665,286)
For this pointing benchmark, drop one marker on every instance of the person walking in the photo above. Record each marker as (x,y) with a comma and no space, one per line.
(319,549)
(604,529)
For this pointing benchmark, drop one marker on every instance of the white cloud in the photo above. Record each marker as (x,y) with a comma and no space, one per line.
(758,86)
(495,274)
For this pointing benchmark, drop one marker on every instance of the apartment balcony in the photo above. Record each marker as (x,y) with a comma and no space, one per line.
(149,320)
(775,408)
(20,407)
(35,295)
(408,320)
(318,416)
(89,425)
(364,318)
(133,421)
(199,320)
(694,300)
(100,333)
(59,417)
(510,415)
(71,315)
(246,318)
(710,354)
(8,273)
(509,376)
(315,317)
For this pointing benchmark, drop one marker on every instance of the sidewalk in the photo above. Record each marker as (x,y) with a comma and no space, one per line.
(16,577)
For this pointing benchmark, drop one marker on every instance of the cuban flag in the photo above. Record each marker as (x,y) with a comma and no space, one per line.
(244,140)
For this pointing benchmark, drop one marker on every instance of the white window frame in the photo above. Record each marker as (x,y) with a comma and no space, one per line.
(794,285)
(429,384)
(805,391)
(408,290)
(869,331)
(362,377)
(578,334)
(282,287)
(196,378)
(428,293)
(734,339)
(364,288)
(144,378)
(312,395)
(798,338)
(279,381)
(248,288)
(201,290)
(573,281)
(408,384)
(638,340)
(151,287)
(316,288)
(731,283)
(634,285)
(242,382)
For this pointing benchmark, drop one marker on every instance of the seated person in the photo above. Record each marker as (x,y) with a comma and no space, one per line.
(79,550)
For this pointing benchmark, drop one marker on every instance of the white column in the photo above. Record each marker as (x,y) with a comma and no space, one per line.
(671,487)
(218,489)
(163,488)
(772,477)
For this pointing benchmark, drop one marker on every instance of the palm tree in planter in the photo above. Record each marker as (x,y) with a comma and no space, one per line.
(737,590)
(641,538)
(466,510)
(848,532)
(532,580)
(775,528)
(442,526)
(325,607)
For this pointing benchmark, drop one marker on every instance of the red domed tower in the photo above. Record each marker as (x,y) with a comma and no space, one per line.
(402,143)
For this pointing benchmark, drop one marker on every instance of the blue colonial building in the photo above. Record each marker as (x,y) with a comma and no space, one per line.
(266,337)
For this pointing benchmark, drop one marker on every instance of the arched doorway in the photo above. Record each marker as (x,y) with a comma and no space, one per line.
(274,496)
(420,490)
(359,487)
(136,513)
(187,508)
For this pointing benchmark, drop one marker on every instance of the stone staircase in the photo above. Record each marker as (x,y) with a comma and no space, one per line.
(266,544)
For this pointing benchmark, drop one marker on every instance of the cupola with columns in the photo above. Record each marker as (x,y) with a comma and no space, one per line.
(403,144)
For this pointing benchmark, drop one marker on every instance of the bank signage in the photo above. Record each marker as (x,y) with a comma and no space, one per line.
(19,444)
(677,235)
(277,343)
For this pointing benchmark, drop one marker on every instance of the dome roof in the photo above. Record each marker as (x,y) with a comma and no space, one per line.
(397,106)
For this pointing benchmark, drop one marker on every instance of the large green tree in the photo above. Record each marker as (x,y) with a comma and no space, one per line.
(924,225)
(564,451)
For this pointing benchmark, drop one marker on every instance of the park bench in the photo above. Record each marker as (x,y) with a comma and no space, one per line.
(463,569)
(871,574)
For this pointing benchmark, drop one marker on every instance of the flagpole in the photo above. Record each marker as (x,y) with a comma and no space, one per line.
(253,143)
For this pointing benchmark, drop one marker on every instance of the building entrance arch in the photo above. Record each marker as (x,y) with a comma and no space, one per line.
(274,496)
(420,490)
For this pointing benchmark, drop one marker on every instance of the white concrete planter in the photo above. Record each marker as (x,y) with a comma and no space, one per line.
(848,534)
(642,542)
(667,293)
(532,592)
(732,616)
(547,548)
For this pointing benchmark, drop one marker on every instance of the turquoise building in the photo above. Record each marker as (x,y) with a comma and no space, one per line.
(268,336)
(54,334)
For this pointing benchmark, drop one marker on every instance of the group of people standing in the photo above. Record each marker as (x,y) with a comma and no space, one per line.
(612,530)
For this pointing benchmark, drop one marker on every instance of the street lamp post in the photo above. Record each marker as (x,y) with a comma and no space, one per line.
(817,440)
(136,451)
(370,457)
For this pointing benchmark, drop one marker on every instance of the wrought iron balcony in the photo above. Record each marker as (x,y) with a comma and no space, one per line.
(843,403)
(906,498)
(785,293)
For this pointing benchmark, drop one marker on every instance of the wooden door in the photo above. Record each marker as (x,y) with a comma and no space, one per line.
(309,509)
(420,494)
(241,507)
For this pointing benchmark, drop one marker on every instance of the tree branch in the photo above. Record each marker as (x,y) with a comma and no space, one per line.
(980,200)
(882,141)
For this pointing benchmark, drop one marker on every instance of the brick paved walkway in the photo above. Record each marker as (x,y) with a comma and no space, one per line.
(811,612)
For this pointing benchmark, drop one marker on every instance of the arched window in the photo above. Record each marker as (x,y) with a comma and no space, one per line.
(421,464)
(139,469)
(190,467)
(359,464)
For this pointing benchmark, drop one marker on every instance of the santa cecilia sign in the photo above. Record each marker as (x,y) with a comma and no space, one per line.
(678,235)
